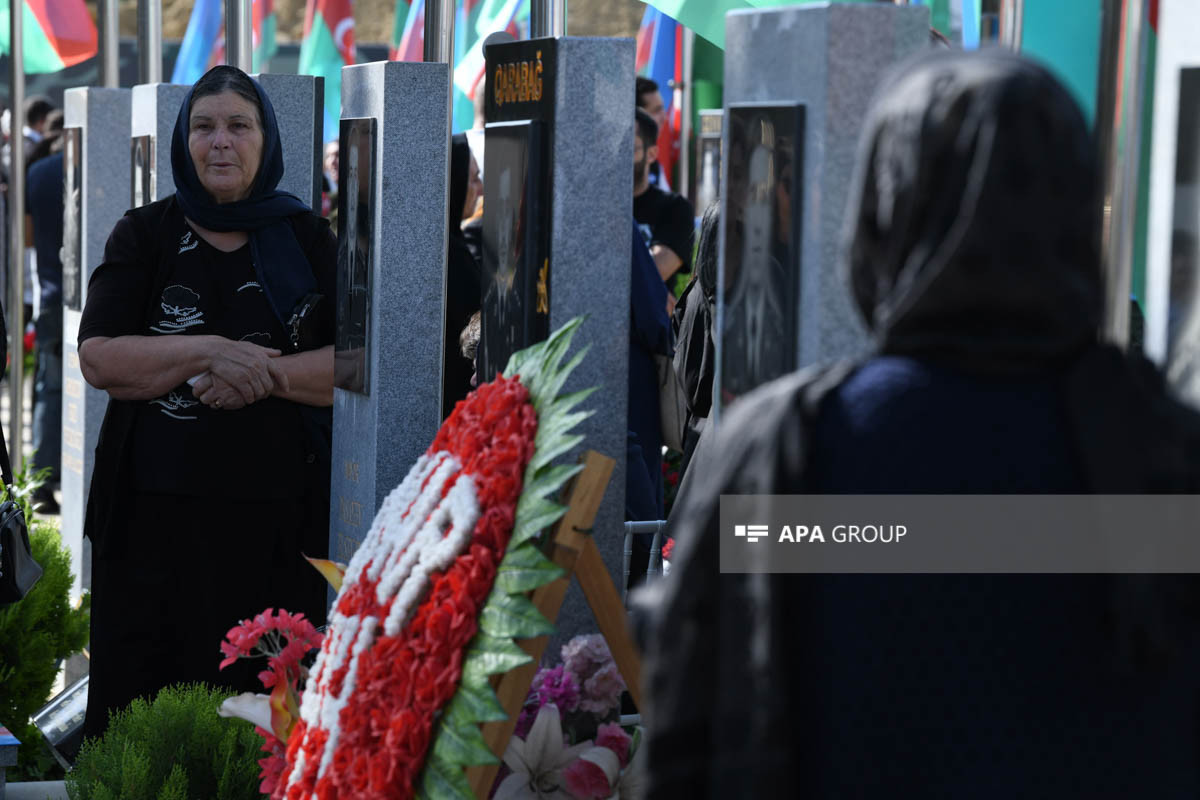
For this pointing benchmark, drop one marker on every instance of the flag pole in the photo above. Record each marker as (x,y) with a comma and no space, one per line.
(1123,76)
(439,31)
(685,117)
(547,18)
(16,250)
(110,45)
(239,47)
(149,29)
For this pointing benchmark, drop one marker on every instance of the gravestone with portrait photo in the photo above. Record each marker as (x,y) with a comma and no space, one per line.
(155,109)
(392,239)
(96,156)
(798,82)
(558,217)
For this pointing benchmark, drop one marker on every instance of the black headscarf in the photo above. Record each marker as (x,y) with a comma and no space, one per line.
(278,258)
(972,240)
(964,159)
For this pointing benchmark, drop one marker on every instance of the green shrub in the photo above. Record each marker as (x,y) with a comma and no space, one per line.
(175,748)
(35,635)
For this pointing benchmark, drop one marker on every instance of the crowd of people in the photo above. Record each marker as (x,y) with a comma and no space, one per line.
(42,146)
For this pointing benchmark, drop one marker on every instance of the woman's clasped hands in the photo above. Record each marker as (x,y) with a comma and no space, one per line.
(240,373)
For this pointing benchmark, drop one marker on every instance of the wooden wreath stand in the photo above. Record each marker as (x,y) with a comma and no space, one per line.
(573,549)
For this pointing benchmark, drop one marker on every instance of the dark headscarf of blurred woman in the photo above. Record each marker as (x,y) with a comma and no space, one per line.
(205,327)
(463,279)
(972,252)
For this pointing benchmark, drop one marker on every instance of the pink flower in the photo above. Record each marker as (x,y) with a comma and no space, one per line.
(614,737)
(591,776)
(583,655)
(602,691)
(556,686)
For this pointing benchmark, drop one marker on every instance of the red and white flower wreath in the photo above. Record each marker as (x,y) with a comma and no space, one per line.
(409,605)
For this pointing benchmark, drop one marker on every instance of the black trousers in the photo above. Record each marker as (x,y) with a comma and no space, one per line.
(183,571)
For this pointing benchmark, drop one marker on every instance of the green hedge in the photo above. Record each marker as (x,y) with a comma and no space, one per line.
(175,748)
(35,635)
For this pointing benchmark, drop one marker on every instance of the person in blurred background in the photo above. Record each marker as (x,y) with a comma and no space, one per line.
(972,252)
(44,205)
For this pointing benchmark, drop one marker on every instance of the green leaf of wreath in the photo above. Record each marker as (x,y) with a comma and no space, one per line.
(514,616)
(524,569)
(442,781)
(461,743)
(554,380)
(475,704)
(549,480)
(534,514)
(487,655)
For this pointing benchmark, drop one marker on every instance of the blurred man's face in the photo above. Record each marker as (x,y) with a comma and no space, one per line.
(652,104)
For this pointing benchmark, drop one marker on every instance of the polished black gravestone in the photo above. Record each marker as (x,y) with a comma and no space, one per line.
(568,102)
(515,293)
(356,190)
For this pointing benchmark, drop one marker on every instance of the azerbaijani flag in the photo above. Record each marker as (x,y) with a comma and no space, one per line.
(475,20)
(408,40)
(262,21)
(199,42)
(203,45)
(482,18)
(56,33)
(660,57)
(327,47)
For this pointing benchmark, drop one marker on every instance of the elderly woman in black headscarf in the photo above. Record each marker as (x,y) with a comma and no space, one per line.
(205,326)
(463,280)
(972,252)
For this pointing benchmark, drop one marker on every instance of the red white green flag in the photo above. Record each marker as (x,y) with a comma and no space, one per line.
(328,46)
(57,33)
(262,20)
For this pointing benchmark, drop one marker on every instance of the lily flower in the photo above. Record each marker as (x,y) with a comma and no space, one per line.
(537,763)
(248,706)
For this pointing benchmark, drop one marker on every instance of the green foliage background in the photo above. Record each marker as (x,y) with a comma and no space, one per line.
(35,634)
(175,748)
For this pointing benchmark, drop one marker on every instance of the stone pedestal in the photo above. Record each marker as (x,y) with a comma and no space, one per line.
(102,118)
(299,102)
(378,434)
(155,109)
(591,243)
(831,58)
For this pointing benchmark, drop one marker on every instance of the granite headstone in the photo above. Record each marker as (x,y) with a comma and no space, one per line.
(383,424)
(299,102)
(155,109)
(589,134)
(829,58)
(97,162)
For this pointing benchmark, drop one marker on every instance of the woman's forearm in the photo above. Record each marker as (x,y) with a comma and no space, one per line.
(143,367)
(310,375)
